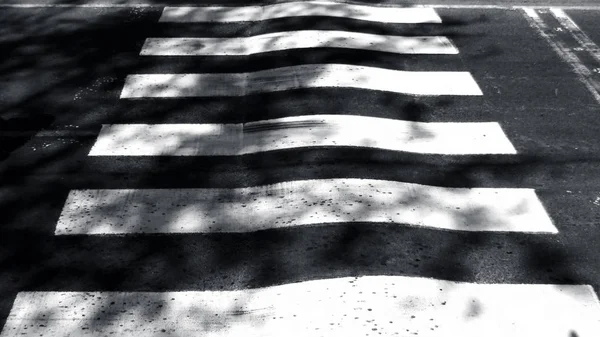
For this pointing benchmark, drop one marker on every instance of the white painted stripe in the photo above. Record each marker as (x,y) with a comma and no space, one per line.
(299,9)
(300,203)
(584,41)
(370,305)
(583,73)
(429,5)
(297,39)
(303,76)
(301,131)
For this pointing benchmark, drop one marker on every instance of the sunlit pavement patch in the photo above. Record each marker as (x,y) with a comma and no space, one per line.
(301,203)
(382,305)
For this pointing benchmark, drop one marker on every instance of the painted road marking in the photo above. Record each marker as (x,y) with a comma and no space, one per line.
(304,76)
(585,75)
(299,9)
(300,203)
(386,305)
(301,131)
(429,5)
(584,41)
(297,39)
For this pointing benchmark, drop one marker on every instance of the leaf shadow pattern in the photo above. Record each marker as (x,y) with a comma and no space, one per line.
(35,189)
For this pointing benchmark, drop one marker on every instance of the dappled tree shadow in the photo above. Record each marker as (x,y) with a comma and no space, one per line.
(17,131)
(76,54)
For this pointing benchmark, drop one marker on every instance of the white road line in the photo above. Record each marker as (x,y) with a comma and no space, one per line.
(299,9)
(584,41)
(583,73)
(301,131)
(297,39)
(304,76)
(430,5)
(301,203)
(363,306)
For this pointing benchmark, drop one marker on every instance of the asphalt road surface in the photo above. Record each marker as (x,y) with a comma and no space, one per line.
(397,171)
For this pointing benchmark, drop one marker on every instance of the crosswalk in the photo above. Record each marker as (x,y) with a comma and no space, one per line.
(301,203)
(300,9)
(339,306)
(300,132)
(392,306)
(295,40)
(297,77)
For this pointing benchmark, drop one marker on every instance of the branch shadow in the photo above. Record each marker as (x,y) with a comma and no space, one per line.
(33,259)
